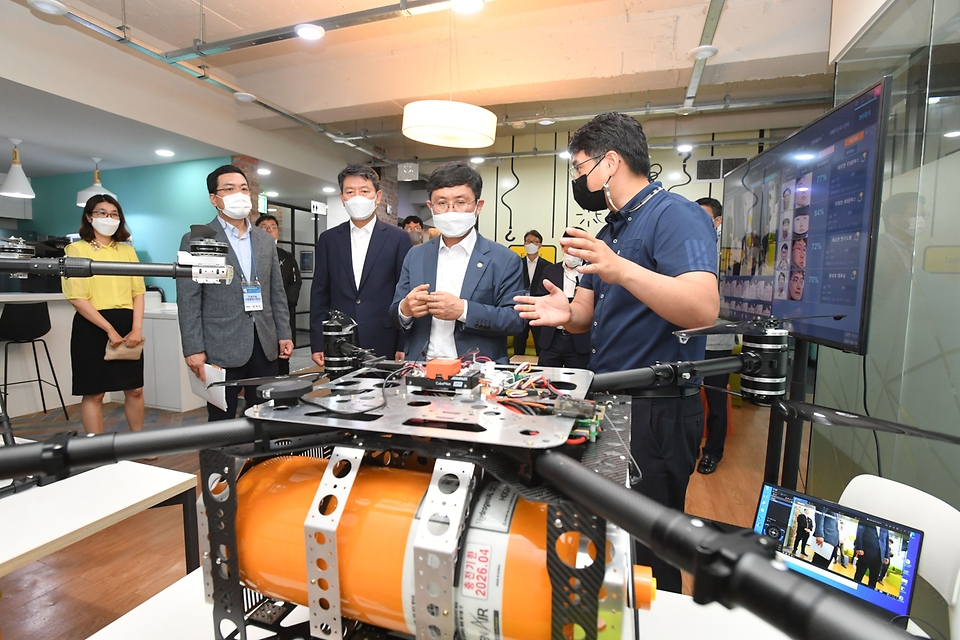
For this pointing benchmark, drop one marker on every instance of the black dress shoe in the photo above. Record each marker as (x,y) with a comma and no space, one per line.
(707,465)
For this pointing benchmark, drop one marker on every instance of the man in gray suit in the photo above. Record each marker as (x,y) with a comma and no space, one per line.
(242,326)
(456,292)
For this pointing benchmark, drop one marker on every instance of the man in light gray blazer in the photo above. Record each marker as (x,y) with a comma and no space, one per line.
(243,326)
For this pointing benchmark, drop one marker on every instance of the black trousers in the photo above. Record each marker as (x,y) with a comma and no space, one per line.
(869,560)
(520,340)
(256,366)
(666,434)
(562,353)
(716,408)
(284,363)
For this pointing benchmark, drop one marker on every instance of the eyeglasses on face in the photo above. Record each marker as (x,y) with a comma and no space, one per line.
(443,206)
(575,168)
(231,189)
(100,213)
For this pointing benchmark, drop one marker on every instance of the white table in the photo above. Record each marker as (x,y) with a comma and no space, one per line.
(42,520)
(181,612)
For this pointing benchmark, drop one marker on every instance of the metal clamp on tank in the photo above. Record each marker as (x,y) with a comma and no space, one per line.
(320,532)
(443,513)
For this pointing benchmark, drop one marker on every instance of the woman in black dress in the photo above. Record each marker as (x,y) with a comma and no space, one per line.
(109,310)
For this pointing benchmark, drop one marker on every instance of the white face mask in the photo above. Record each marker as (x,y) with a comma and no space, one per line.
(236,205)
(360,208)
(571,262)
(105,226)
(916,226)
(531,249)
(455,224)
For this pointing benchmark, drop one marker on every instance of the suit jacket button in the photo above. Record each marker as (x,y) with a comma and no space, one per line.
(358,302)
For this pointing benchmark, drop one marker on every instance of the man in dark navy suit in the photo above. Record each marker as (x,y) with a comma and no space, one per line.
(533,269)
(871,539)
(456,291)
(357,267)
(559,347)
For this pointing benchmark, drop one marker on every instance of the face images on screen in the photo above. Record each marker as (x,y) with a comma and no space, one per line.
(781,292)
(796,285)
(802,194)
(801,222)
(785,225)
(786,196)
(799,254)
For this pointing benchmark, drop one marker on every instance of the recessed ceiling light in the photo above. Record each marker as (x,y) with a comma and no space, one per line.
(952,134)
(263,171)
(271,194)
(804,156)
(477,160)
(50,7)
(546,122)
(329,190)
(564,155)
(933,100)
(674,176)
(684,148)
(309,31)
(466,6)
(243,96)
(165,153)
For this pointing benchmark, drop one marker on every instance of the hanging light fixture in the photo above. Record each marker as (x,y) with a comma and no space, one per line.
(16,184)
(448,123)
(96,189)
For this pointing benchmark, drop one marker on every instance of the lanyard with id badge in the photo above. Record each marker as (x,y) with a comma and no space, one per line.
(252,295)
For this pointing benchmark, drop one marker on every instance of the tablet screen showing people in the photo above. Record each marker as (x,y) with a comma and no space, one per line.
(869,557)
(802,213)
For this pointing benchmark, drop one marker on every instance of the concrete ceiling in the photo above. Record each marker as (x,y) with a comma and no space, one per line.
(60,136)
(521,58)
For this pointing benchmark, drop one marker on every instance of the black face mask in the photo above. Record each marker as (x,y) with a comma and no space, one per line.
(588,200)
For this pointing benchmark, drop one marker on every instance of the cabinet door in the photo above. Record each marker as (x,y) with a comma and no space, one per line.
(149,364)
(167,340)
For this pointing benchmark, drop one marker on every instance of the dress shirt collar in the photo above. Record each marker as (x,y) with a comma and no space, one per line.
(367,228)
(468,243)
(229,229)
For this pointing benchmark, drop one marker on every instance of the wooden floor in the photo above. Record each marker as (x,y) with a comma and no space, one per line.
(75,592)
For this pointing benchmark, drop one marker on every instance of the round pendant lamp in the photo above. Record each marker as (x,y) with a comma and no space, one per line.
(445,123)
(16,185)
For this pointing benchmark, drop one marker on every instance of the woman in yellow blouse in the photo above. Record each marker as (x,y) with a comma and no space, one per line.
(109,309)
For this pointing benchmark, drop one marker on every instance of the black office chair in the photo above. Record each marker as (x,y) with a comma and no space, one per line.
(21,323)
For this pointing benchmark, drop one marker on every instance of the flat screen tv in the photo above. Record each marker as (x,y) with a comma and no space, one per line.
(800,224)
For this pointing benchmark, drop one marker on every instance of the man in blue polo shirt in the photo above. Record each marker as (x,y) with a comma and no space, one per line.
(649,272)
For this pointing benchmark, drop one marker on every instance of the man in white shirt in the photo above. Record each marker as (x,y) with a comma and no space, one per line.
(456,292)
(357,266)
(559,347)
(533,269)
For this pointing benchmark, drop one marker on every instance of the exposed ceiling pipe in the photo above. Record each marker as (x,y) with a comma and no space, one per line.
(653,112)
(120,36)
(536,153)
(405,8)
(706,39)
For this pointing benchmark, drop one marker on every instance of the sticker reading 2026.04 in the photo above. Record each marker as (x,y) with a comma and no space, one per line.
(476,571)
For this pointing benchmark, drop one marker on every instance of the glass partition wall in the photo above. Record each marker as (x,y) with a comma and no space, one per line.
(911,373)
(299,229)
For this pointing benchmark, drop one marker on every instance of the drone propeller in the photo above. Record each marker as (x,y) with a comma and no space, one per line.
(754,326)
(832,417)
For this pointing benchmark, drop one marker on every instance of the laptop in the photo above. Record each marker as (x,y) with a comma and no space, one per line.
(843,548)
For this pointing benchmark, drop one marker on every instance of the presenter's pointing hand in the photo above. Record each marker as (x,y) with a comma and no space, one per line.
(603,260)
(551,310)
